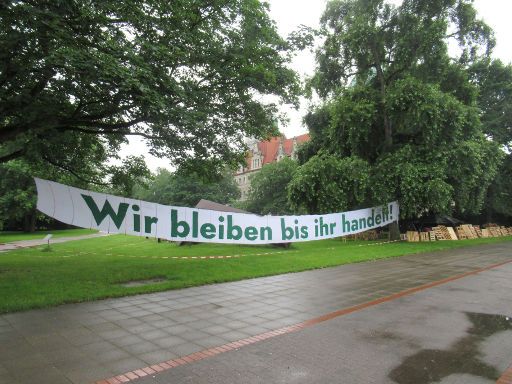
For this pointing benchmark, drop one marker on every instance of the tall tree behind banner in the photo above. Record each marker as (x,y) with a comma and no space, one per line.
(494,81)
(18,193)
(395,103)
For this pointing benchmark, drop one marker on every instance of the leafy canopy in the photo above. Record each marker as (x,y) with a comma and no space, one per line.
(187,75)
(18,193)
(494,82)
(392,97)
(327,184)
(268,193)
(186,188)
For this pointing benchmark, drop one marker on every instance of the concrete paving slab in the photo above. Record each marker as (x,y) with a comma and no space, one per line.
(447,334)
(114,336)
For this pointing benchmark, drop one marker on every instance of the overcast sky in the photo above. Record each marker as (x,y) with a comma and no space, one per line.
(290,14)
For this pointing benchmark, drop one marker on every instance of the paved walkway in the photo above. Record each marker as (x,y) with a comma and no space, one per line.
(37,242)
(386,340)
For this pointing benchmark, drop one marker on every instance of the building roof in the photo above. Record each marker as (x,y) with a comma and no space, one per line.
(270,148)
(213,206)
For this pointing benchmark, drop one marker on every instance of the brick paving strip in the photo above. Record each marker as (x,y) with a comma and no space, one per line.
(506,378)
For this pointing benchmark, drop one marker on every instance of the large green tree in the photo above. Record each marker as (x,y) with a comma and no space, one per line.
(186,188)
(328,183)
(499,195)
(186,75)
(268,193)
(494,81)
(393,97)
(18,192)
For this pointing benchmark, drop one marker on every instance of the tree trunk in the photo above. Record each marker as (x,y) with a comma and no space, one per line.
(29,222)
(388,131)
(12,156)
(394,231)
(488,208)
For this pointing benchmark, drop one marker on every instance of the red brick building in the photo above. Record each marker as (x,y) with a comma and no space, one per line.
(265,152)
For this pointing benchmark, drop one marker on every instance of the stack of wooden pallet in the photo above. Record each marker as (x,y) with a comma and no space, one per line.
(494,231)
(412,236)
(444,233)
(505,231)
(367,235)
(466,231)
(439,232)
(453,235)
(424,236)
(461,233)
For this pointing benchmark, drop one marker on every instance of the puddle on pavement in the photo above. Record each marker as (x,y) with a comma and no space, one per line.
(463,357)
(140,283)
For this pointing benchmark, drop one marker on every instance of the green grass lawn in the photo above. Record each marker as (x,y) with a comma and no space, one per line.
(7,237)
(93,269)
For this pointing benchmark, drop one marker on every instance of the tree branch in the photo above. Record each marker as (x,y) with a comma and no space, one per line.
(9,132)
(70,170)
(113,132)
(11,156)
(108,126)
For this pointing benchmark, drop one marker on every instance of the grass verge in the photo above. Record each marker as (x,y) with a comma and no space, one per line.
(92,269)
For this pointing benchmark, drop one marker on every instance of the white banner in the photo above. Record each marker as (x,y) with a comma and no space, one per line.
(114,214)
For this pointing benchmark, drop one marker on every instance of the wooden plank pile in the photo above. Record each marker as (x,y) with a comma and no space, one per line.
(440,233)
(462,232)
(506,231)
(466,231)
(413,236)
(453,235)
(366,235)
(444,233)
(494,230)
